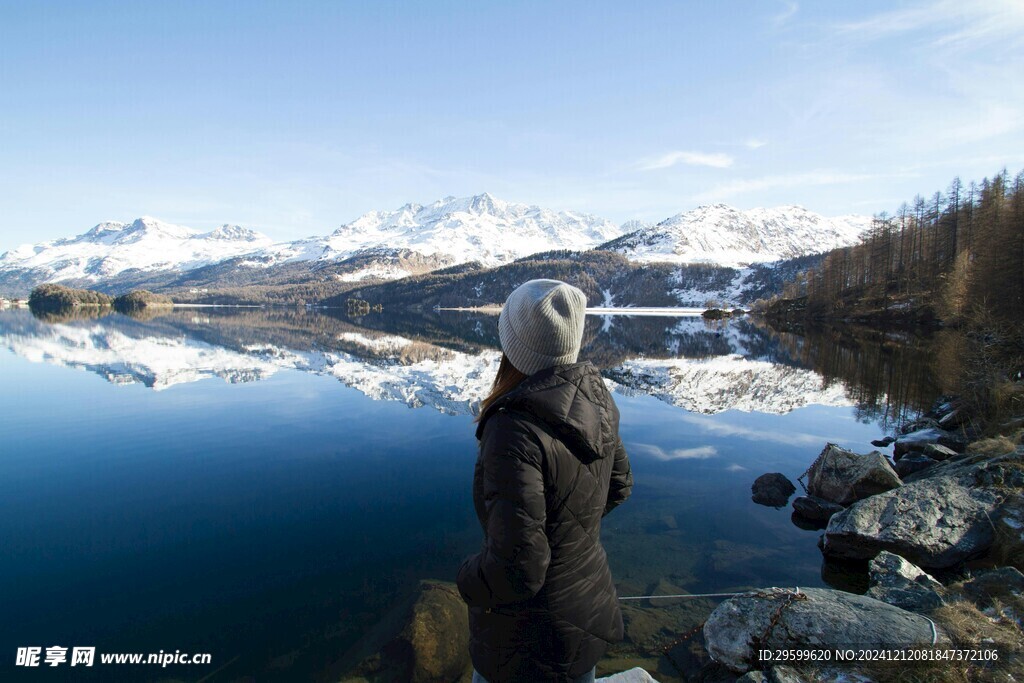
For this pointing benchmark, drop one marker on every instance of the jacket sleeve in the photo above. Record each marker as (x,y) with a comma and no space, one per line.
(622,479)
(515,557)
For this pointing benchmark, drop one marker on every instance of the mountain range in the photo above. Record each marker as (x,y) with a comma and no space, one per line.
(414,239)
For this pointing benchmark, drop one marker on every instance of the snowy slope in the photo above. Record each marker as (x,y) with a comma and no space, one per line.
(726,236)
(145,244)
(447,232)
(481,228)
(416,238)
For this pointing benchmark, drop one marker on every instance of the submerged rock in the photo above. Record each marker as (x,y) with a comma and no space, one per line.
(423,640)
(844,477)
(772,489)
(821,618)
(816,509)
(898,582)
(935,523)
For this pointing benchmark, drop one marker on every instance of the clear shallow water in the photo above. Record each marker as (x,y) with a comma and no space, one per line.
(264,486)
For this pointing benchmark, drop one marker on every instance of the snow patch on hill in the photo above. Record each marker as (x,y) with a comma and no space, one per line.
(727,236)
(145,244)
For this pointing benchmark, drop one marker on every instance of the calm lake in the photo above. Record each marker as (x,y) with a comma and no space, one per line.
(263,485)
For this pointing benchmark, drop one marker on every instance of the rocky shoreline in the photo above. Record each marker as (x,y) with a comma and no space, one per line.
(937,527)
(941,526)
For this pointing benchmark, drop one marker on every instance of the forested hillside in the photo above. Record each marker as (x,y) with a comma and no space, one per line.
(605,277)
(956,255)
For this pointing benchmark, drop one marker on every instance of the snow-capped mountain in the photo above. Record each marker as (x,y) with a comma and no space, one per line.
(481,228)
(726,236)
(145,244)
(384,244)
(411,240)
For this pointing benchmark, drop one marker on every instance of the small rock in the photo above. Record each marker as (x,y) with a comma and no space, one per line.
(772,489)
(1008,518)
(898,582)
(752,677)
(801,522)
(991,583)
(913,462)
(844,477)
(634,675)
(784,674)
(882,443)
(954,418)
(938,451)
(917,440)
(918,425)
(816,509)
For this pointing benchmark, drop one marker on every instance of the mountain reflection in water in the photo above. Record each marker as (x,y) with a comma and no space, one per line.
(277,514)
(445,361)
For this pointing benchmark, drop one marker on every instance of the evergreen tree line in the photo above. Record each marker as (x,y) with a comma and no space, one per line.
(959,253)
(59,296)
(594,272)
(51,297)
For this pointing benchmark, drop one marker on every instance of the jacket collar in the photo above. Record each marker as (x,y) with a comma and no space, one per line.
(571,400)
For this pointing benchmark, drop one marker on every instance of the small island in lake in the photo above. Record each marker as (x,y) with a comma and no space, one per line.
(53,297)
(139,299)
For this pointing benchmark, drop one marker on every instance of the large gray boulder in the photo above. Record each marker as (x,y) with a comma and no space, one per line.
(844,477)
(934,522)
(898,582)
(822,618)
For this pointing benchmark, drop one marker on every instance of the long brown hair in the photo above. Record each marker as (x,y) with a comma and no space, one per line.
(506,379)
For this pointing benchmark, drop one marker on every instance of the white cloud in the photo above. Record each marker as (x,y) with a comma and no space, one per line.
(954,23)
(712,159)
(790,8)
(754,143)
(735,467)
(698,453)
(712,425)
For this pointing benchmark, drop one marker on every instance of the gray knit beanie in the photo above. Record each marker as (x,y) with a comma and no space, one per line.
(541,325)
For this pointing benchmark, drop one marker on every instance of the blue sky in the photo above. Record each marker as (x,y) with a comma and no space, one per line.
(296,117)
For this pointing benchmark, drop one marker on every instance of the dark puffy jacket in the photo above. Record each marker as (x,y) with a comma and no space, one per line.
(542,604)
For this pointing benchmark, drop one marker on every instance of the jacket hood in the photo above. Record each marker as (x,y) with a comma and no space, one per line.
(572,401)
